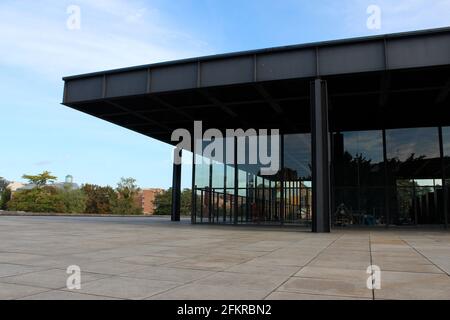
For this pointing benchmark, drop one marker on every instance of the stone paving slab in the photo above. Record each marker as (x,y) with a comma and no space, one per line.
(280,295)
(51,279)
(64,295)
(138,258)
(10,291)
(211,292)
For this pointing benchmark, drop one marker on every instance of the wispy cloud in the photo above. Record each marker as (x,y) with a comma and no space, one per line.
(114,33)
(43,163)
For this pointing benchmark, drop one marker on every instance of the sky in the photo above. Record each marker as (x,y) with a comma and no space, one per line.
(37,49)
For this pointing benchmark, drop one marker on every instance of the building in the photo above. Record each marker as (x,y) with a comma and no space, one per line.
(68,184)
(14,186)
(146,200)
(364,128)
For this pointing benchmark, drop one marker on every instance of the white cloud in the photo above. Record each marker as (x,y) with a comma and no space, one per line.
(114,33)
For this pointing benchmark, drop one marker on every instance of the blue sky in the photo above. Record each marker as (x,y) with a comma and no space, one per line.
(37,49)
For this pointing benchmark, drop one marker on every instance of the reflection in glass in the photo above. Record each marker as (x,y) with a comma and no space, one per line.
(414,175)
(358,178)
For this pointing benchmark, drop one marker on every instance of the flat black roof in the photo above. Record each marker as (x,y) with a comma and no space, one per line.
(268,88)
(269,50)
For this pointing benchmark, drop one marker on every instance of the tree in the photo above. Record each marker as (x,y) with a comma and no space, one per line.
(40,180)
(44,199)
(3,184)
(163,202)
(74,200)
(125,203)
(5,193)
(127,188)
(5,197)
(99,200)
(124,206)
(186,202)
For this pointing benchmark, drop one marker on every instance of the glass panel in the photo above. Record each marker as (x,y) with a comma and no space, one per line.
(297,156)
(414,173)
(297,178)
(358,178)
(201,172)
(218,175)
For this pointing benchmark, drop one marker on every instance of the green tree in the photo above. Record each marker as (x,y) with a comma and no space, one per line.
(99,200)
(5,193)
(5,197)
(40,180)
(127,188)
(74,200)
(124,206)
(43,200)
(163,202)
(125,203)
(3,184)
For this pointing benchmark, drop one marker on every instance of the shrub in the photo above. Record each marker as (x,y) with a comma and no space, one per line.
(99,200)
(46,199)
(5,197)
(74,200)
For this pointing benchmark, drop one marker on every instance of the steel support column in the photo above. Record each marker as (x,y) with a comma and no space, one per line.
(176,186)
(320,157)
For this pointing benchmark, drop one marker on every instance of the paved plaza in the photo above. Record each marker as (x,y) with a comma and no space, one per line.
(151,258)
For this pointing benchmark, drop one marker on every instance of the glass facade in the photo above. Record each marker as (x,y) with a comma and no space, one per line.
(379,177)
(241,194)
(414,176)
(358,164)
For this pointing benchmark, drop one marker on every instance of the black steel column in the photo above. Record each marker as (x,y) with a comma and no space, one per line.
(236,183)
(176,187)
(320,157)
(387,205)
(282,179)
(444,184)
(194,187)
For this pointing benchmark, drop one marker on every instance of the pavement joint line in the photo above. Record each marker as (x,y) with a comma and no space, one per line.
(82,293)
(427,248)
(321,295)
(30,295)
(301,268)
(213,273)
(22,274)
(426,258)
(46,288)
(184,284)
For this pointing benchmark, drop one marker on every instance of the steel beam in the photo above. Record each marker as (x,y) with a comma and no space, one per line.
(176,187)
(320,157)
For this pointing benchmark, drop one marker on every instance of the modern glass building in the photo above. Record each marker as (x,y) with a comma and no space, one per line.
(364,128)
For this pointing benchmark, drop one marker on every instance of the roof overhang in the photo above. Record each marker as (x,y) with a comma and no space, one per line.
(269,88)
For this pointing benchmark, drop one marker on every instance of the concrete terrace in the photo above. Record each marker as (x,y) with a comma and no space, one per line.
(151,258)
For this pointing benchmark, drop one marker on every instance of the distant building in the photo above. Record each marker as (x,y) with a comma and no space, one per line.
(146,199)
(14,186)
(67,184)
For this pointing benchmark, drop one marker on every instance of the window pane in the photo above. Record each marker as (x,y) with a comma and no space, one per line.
(414,175)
